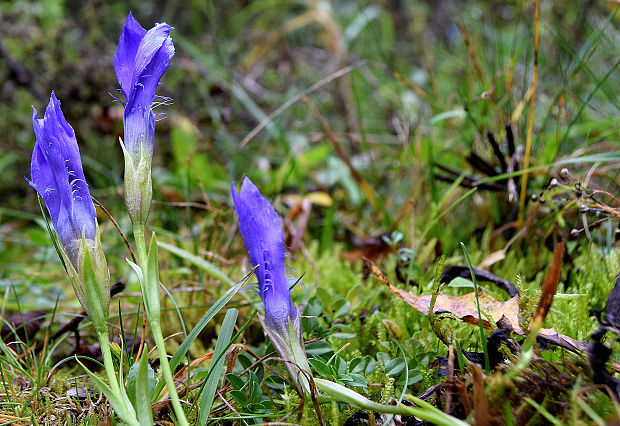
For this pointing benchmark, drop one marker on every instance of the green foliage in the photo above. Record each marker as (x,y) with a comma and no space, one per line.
(421,99)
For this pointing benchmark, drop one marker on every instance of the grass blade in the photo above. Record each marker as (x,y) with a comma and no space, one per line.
(198,261)
(215,374)
(483,339)
(208,316)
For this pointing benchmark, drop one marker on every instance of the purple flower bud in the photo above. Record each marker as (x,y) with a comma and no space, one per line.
(261,229)
(142,57)
(56,174)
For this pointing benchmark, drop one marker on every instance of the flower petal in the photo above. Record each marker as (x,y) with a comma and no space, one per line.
(125,56)
(57,175)
(141,59)
(152,60)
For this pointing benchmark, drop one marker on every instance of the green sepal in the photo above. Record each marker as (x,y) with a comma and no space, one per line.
(96,293)
(299,355)
(289,345)
(138,185)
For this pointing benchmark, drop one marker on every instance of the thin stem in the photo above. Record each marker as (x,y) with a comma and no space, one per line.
(104,343)
(153,319)
(138,234)
(165,367)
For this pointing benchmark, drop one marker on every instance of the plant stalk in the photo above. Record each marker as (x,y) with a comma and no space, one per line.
(104,343)
(154,322)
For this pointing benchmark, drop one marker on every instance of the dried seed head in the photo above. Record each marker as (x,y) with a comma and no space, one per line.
(564,173)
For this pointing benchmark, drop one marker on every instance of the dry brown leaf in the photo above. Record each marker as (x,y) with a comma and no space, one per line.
(464,308)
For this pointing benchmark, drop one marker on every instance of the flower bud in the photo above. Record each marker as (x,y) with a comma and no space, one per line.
(56,174)
(261,230)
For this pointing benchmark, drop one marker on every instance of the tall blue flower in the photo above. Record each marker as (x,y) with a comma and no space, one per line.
(142,57)
(261,230)
(56,173)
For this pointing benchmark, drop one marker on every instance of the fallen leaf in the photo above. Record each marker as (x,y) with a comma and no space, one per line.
(371,248)
(464,307)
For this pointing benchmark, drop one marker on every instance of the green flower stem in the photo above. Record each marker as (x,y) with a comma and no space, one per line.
(129,415)
(151,286)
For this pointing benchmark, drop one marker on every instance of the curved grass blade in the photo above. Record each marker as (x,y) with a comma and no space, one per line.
(198,261)
(223,342)
(208,316)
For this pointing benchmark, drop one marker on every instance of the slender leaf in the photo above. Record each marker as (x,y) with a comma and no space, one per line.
(215,373)
(145,381)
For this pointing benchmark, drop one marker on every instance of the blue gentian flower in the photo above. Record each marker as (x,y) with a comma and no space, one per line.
(56,173)
(142,57)
(261,230)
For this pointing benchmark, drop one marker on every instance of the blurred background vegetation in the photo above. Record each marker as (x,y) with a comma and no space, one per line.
(426,81)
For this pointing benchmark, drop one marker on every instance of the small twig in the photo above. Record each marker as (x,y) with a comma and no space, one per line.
(97,203)
(364,186)
(337,74)
(75,322)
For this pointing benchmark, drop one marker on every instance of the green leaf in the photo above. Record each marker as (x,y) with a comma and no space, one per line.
(235,381)
(239,397)
(256,394)
(131,383)
(115,400)
(372,364)
(208,316)
(320,347)
(356,365)
(320,367)
(97,303)
(394,366)
(215,370)
(145,383)
(206,266)
(424,410)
